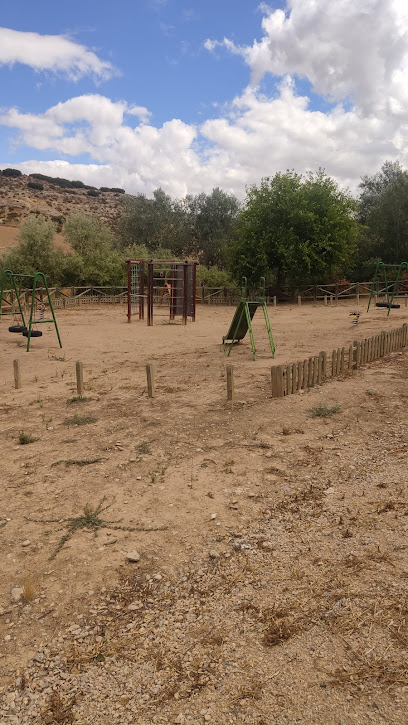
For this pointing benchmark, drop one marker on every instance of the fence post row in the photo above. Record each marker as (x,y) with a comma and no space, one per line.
(288,379)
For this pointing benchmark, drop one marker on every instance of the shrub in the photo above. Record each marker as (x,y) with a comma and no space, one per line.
(35,185)
(11,172)
(92,192)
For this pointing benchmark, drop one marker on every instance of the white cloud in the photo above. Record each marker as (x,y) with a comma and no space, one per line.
(343,47)
(257,134)
(53,53)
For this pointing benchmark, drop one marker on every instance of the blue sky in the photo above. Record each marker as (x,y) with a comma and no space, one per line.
(226,92)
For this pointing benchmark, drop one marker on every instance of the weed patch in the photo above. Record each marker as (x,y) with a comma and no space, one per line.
(25,438)
(80,420)
(323,411)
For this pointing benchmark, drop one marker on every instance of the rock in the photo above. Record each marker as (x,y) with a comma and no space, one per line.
(17,593)
(133,556)
(213,516)
(27,542)
(39,657)
(134,606)
(267,545)
(109,540)
(7,638)
(213,554)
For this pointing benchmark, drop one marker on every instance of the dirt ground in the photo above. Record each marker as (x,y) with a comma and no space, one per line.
(271,583)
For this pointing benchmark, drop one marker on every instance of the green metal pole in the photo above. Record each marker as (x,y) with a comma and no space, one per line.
(251,334)
(40,274)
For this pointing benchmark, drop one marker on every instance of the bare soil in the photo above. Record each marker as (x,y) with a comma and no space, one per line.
(272,580)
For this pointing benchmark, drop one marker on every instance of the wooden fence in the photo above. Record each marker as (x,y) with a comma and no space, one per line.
(90,295)
(289,379)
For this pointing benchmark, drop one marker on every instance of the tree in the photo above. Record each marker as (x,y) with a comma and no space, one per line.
(35,251)
(211,218)
(157,222)
(384,214)
(96,260)
(294,230)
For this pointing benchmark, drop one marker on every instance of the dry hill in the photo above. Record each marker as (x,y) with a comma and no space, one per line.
(18,200)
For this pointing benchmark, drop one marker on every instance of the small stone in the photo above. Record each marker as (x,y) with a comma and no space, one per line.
(133,556)
(213,554)
(39,657)
(134,606)
(17,593)
(213,516)
(267,545)
(27,542)
(7,638)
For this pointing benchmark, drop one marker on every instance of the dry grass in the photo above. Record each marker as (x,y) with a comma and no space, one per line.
(58,710)
(29,590)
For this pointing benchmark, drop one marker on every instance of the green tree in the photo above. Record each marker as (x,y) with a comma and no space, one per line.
(212,219)
(96,259)
(294,230)
(157,222)
(384,215)
(35,251)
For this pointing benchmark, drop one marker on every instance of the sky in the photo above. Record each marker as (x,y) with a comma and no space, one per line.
(188,95)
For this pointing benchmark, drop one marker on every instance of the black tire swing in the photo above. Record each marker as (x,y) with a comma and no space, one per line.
(385,304)
(18,328)
(34,333)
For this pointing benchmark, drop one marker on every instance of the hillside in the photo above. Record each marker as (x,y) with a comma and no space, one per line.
(56,203)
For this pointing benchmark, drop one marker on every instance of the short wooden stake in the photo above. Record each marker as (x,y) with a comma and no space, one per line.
(305,373)
(310,372)
(274,300)
(351,357)
(323,358)
(300,376)
(331,300)
(342,356)
(299,300)
(79,368)
(17,374)
(294,378)
(358,354)
(315,370)
(151,392)
(288,378)
(334,363)
(325,300)
(277,381)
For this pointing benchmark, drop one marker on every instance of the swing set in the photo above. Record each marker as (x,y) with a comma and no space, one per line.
(391,290)
(29,330)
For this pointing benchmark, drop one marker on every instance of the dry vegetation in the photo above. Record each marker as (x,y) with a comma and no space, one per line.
(272,581)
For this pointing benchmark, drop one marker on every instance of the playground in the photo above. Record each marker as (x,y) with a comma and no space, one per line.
(259,525)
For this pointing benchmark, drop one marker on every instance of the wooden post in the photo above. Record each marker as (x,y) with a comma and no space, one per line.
(334,363)
(17,374)
(325,300)
(315,369)
(358,354)
(80,378)
(299,300)
(351,357)
(294,377)
(331,300)
(323,358)
(305,373)
(404,334)
(274,300)
(277,381)
(358,293)
(342,356)
(288,379)
(310,372)
(151,392)
(300,376)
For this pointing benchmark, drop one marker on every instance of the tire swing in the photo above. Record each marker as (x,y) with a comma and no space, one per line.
(18,328)
(36,333)
(385,304)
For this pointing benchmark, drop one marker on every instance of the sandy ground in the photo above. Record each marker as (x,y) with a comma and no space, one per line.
(271,585)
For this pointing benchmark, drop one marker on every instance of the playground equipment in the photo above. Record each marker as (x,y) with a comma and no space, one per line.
(242,320)
(168,282)
(391,289)
(355,316)
(37,304)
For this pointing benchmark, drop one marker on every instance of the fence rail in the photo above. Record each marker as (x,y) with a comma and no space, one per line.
(90,295)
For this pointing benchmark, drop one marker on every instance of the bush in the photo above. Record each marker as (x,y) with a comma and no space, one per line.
(117,191)
(92,192)
(11,172)
(35,185)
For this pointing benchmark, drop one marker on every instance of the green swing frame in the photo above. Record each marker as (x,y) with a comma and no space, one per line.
(391,288)
(36,278)
(242,320)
